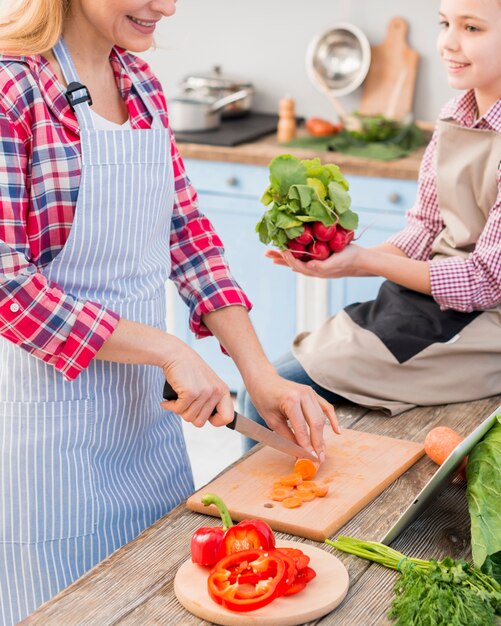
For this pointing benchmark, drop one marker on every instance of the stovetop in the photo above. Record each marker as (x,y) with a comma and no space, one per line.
(234,131)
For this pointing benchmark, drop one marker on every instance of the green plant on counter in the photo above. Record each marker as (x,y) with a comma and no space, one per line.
(432,593)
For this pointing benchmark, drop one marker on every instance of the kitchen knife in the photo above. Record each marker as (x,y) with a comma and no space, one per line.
(255,431)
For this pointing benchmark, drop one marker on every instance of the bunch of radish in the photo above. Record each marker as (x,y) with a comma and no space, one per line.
(308,208)
(319,242)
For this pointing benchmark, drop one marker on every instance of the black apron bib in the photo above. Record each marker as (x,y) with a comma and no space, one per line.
(407,321)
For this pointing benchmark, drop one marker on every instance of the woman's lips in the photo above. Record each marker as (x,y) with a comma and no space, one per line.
(146,27)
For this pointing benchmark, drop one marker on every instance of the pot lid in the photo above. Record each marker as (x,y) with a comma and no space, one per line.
(214,80)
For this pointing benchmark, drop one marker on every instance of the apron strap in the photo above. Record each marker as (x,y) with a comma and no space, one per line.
(77,94)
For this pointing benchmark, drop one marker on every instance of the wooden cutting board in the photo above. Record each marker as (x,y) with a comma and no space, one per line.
(324,593)
(389,86)
(358,467)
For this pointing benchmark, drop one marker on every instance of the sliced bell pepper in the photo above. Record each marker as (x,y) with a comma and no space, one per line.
(247,535)
(230,581)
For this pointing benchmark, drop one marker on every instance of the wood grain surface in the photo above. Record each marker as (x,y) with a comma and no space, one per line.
(135,585)
(323,594)
(358,467)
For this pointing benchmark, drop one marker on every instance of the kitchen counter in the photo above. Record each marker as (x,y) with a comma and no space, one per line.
(135,584)
(262,151)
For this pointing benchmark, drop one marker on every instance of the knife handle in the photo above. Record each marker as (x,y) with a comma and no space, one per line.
(170,394)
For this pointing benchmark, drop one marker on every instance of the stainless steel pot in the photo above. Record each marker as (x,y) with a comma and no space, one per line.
(193,115)
(215,86)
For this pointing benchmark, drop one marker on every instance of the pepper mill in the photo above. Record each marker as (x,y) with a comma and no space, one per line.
(286,129)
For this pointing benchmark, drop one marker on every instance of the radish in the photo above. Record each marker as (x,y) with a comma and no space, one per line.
(305,237)
(340,239)
(318,250)
(323,233)
(297,249)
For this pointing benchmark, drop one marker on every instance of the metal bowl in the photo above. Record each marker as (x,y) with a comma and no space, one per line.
(341,56)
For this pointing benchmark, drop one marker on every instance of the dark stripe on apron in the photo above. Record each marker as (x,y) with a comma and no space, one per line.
(407,321)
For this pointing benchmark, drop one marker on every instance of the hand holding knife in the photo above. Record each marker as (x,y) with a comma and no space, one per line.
(255,431)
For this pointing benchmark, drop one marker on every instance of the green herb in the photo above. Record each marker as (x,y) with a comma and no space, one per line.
(303,191)
(483,493)
(432,593)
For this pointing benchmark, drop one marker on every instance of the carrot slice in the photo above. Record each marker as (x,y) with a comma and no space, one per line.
(305,468)
(280,493)
(321,490)
(292,503)
(307,485)
(291,480)
(305,496)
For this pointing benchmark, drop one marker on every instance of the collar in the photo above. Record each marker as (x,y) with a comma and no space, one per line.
(463,110)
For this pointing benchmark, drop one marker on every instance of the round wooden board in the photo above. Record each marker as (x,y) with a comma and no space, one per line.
(321,595)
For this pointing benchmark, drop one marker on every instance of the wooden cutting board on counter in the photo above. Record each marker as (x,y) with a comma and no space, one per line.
(358,467)
(389,86)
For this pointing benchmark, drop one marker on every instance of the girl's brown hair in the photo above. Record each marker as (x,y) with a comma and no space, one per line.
(32,26)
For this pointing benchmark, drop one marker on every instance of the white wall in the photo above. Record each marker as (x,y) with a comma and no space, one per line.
(265,42)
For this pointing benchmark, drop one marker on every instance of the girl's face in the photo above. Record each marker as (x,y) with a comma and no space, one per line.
(470,45)
(129,24)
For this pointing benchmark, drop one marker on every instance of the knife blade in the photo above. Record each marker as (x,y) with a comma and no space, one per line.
(252,429)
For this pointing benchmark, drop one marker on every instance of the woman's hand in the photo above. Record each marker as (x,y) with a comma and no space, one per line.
(349,262)
(199,390)
(294,411)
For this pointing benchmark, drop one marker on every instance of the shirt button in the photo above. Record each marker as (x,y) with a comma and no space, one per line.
(14,307)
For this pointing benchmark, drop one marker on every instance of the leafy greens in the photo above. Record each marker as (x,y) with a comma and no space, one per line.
(483,493)
(303,191)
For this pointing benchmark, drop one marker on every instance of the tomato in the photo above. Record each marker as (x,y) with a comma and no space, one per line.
(321,128)
(250,579)
(305,237)
(323,233)
(318,250)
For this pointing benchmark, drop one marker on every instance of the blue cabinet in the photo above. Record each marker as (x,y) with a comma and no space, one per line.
(229,195)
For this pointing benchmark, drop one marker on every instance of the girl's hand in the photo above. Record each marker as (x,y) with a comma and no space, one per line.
(338,265)
(294,411)
(199,390)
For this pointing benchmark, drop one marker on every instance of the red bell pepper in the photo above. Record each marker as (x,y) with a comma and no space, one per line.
(209,544)
(248,580)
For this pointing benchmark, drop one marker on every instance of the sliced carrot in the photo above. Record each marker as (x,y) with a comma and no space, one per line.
(291,480)
(305,468)
(307,485)
(280,493)
(321,490)
(305,496)
(292,503)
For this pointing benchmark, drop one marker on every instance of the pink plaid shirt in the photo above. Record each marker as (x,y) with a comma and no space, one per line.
(40,168)
(463,284)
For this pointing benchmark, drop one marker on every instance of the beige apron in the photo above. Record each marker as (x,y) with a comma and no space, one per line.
(402,351)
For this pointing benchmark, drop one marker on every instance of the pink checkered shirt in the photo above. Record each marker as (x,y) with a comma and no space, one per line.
(463,284)
(37,213)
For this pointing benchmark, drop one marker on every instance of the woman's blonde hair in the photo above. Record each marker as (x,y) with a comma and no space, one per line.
(31,26)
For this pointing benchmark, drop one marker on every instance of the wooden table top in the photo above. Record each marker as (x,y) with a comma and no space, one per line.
(135,584)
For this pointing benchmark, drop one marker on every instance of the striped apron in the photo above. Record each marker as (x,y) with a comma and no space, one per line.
(87,465)
(401,350)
